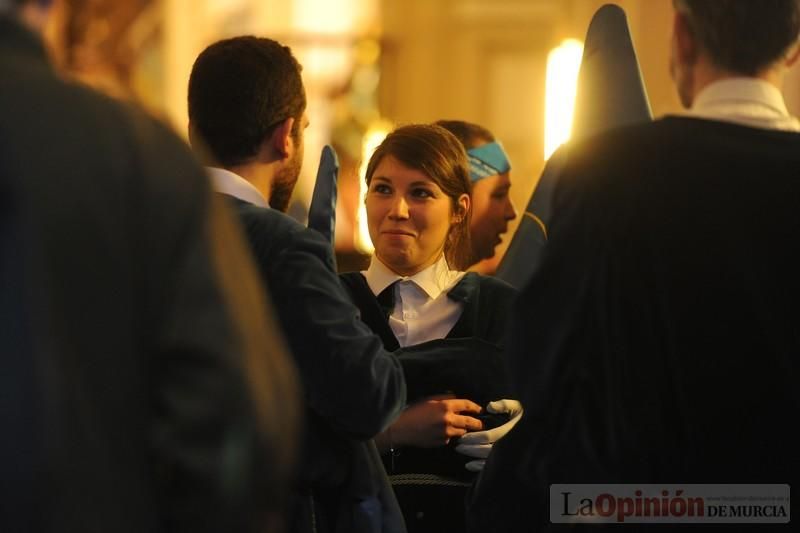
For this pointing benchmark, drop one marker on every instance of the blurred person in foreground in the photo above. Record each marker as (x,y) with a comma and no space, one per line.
(247,106)
(658,342)
(490,173)
(143,386)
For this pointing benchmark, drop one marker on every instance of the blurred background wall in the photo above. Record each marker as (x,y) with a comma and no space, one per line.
(368,65)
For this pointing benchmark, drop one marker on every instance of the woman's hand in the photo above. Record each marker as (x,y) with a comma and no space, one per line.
(434,421)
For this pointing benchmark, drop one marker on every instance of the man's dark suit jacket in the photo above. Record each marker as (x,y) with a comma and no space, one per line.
(122,402)
(354,388)
(659,341)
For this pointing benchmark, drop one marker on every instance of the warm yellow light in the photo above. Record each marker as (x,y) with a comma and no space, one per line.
(374,136)
(563,64)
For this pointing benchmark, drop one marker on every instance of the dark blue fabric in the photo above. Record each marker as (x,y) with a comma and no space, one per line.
(658,343)
(469,363)
(353,387)
(115,334)
(322,211)
(21,416)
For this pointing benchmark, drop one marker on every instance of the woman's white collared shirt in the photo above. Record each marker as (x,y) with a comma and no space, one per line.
(422,311)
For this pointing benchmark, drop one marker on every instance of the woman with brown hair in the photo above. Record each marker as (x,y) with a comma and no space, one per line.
(446,325)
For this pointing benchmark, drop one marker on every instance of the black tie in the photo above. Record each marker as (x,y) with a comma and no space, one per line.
(386,300)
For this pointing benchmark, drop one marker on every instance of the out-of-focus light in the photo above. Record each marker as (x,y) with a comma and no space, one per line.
(325,64)
(224,7)
(368,51)
(563,64)
(375,134)
(337,17)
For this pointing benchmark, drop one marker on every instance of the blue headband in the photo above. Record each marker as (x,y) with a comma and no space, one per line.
(487,160)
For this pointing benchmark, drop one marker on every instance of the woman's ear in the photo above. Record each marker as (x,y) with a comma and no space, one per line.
(461,210)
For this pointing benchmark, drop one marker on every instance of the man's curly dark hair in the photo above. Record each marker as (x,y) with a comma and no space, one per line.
(240,90)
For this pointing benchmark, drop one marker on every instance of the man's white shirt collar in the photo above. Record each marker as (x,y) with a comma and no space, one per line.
(746,101)
(434,280)
(227,182)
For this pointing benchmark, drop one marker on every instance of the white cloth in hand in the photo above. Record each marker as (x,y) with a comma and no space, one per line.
(476,465)
(478,444)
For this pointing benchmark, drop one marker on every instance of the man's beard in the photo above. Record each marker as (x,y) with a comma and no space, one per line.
(283,185)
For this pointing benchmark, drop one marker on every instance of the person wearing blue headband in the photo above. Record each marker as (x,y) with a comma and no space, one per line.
(490,168)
